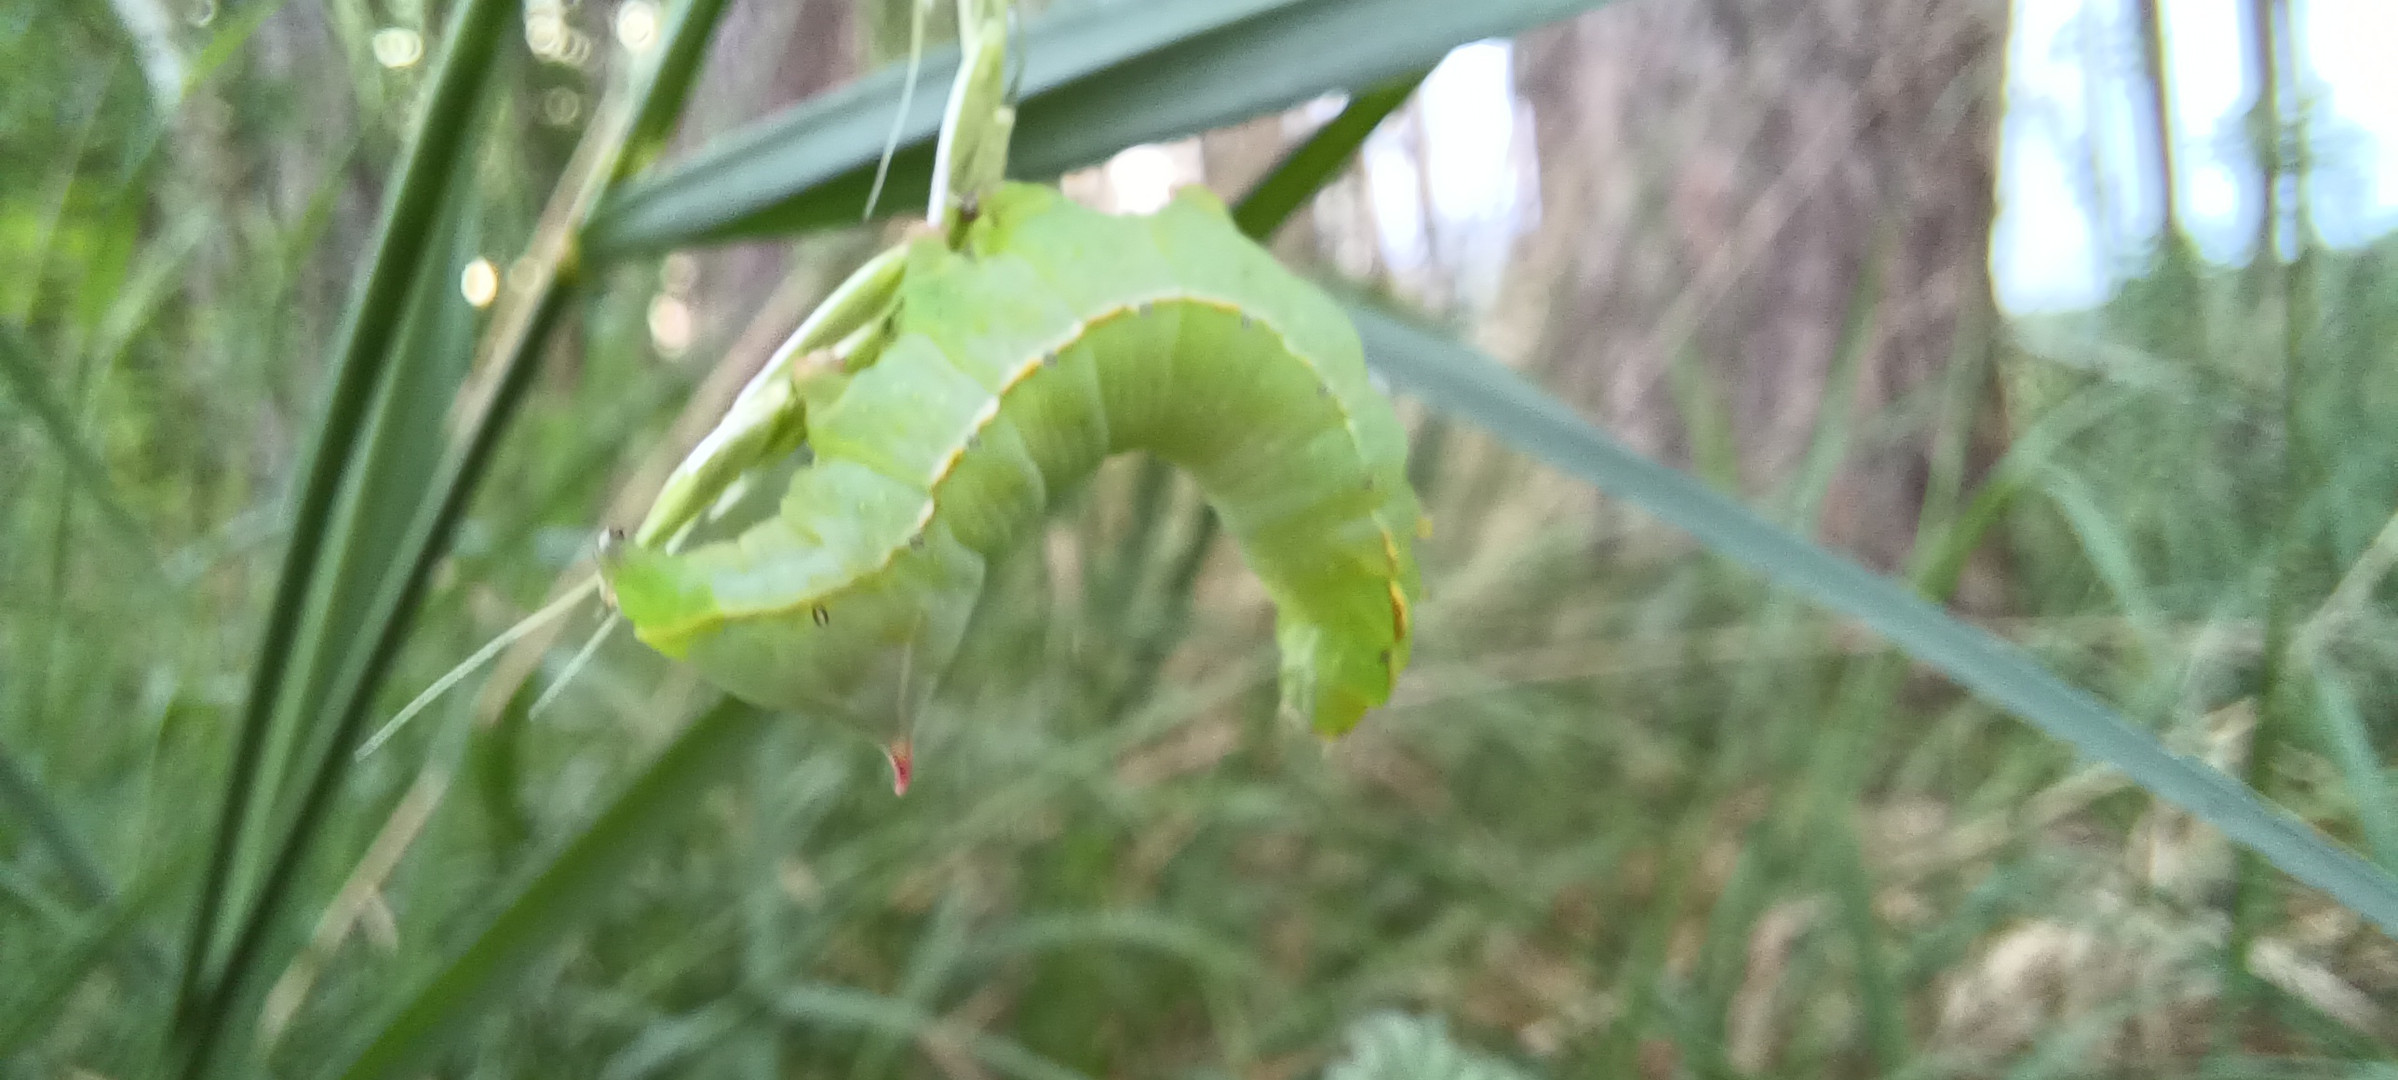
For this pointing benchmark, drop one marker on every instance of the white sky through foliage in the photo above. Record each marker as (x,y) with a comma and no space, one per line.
(2078,207)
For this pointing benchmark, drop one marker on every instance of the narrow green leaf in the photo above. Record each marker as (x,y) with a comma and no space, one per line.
(32,394)
(405,437)
(840,1007)
(835,139)
(684,43)
(428,538)
(1096,80)
(23,892)
(515,341)
(233,34)
(1877,989)
(1835,426)
(416,195)
(1462,383)
(511,350)
(2351,744)
(551,905)
(1310,165)
(662,1048)
(938,949)
(1942,552)
(111,930)
(26,800)
(1126,929)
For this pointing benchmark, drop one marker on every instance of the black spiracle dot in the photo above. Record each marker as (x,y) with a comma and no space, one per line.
(1323,390)
(822,617)
(1049,359)
(1246,320)
(1141,310)
(916,542)
(1386,658)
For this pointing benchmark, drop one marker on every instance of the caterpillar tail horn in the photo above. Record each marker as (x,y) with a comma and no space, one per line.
(901,753)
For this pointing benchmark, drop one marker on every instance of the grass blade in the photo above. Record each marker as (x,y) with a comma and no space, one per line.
(1465,385)
(428,538)
(510,351)
(2350,742)
(1877,987)
(833,1006)
(688,29)
(1124,929)
(581,873)
(112,929)
(26,387)
(417,194)
(398,454)
(21,794)
(1096,79)
(1310,165)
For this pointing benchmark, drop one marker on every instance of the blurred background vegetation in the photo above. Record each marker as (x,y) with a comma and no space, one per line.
(1633,813)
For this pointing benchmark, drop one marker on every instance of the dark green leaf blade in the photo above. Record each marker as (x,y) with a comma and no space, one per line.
(406,435)
(1096,80)
(1457,381)
(689,27)
(2348,740)
(1312,164)
(112,927)
(551,903)
(420,186)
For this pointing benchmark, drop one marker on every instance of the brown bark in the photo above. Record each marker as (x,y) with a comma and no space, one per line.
(1715,180)
(767,54)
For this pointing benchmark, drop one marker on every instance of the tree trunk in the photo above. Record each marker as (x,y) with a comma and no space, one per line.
(1742,197)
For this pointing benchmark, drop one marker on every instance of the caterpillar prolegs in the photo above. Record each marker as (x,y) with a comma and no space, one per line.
(981,378)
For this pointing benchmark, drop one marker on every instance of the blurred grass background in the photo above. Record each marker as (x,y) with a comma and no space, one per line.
(1632,814)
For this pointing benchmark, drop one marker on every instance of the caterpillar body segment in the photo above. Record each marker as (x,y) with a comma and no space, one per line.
(1052,337)
(768,418)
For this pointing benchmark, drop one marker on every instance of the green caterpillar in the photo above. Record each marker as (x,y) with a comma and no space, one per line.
(823,549)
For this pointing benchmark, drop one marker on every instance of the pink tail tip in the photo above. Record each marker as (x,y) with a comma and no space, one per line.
(903,764)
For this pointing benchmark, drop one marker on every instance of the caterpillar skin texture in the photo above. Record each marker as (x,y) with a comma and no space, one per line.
(1053,337)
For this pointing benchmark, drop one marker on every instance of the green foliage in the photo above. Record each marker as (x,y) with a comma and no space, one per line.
(1632,815)
(1395,1046)
(1481,391)
(1095,80)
